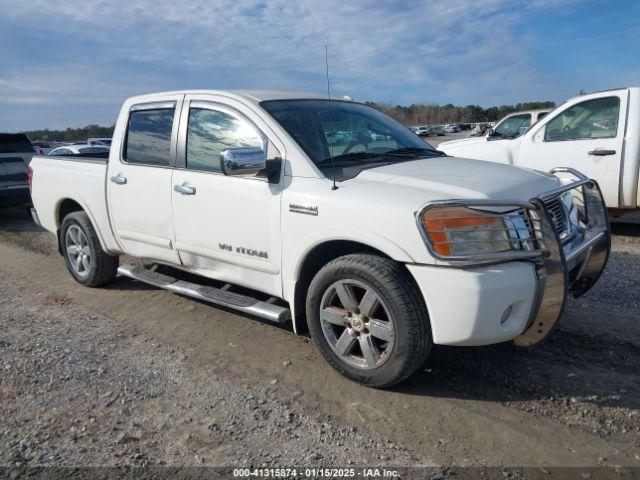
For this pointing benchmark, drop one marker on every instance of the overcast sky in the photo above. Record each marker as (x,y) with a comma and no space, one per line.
(72,62)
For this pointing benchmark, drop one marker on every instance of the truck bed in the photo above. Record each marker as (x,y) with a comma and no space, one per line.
(60,181)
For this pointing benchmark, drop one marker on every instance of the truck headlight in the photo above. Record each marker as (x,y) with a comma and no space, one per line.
(465,231)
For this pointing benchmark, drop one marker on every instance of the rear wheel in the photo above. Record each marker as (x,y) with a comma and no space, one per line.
(89,264)
(368,319)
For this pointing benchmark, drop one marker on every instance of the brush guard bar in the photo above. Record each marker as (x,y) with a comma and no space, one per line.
(570,266)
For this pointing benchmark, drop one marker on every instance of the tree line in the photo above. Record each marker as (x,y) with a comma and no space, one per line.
(71,134)
(416,114)
(431,114)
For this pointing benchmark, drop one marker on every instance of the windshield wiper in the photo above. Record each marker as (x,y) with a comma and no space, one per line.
(356,157)
(410,150)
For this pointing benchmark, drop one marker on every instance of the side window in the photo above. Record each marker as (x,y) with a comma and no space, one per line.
(210,132)
(149,136)
(597,118)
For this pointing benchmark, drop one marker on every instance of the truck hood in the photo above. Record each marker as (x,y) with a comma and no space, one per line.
(460,178)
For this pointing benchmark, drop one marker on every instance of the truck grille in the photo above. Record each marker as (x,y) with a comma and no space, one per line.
(558,214)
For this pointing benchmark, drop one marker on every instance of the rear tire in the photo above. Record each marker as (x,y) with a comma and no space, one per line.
(368,319)
(87,262)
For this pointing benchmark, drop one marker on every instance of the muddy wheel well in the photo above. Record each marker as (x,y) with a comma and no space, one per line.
(313,262)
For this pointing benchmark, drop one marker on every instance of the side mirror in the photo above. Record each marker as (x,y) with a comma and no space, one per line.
(247,162)
(489,132)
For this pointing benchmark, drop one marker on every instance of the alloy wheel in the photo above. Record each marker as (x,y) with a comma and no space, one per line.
(78,251)
(357,324)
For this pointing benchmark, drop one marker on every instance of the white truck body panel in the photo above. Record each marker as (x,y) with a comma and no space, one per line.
(616,173)
(257,234)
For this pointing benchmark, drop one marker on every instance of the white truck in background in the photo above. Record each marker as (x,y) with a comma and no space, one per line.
(382,244)
(597,134)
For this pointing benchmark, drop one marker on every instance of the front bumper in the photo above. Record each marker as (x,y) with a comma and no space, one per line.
(519,295)
(571,268)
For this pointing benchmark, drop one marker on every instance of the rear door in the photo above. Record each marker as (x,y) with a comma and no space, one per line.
(587,135)
(139,180)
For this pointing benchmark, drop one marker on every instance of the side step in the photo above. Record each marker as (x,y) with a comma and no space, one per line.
(218,296)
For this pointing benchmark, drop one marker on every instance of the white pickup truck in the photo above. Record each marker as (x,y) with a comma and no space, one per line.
(382,246)
(597,134)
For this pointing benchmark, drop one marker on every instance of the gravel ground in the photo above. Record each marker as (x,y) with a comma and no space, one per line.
(131,375)
(70,391)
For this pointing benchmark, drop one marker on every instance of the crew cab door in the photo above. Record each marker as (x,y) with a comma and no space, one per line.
(587,135)
(226,227)
(139,180)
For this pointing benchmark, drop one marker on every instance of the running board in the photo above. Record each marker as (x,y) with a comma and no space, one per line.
(218,296)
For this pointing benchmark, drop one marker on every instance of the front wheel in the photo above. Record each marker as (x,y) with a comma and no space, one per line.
(89,264)
(368,319)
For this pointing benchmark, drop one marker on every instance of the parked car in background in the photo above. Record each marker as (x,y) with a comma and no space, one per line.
(515,124)
(78,149)
(451,128)
(16,152)
(598,134)
(437,130)
(510,127)
(423,130)
(479,130)
(43,147)
(303,229)
(99,141)
(378,136)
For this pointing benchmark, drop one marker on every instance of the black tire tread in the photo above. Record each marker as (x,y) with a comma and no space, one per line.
(106,265)
(398,283)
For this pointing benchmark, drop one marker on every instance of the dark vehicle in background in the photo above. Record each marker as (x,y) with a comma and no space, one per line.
(15,154)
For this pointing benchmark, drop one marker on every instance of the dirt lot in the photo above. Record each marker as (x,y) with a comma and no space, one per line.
(133,375)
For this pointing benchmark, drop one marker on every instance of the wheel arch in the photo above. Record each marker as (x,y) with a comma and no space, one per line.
(70,205)
(314,259)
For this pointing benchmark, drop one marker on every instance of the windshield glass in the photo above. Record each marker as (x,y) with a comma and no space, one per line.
(346,133)
(513,127)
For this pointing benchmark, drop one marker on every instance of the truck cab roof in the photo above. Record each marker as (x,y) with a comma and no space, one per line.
(252,96)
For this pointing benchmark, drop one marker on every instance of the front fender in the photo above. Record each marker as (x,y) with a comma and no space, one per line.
(357,235)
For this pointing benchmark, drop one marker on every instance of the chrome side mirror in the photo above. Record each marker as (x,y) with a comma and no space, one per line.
(247,162)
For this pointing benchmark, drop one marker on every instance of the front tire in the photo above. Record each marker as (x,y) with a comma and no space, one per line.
(87,262)
(368,319)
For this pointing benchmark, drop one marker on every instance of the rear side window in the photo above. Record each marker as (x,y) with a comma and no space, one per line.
(14,143)
(148,138)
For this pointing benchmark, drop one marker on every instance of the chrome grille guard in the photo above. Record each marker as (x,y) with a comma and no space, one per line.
(562,267)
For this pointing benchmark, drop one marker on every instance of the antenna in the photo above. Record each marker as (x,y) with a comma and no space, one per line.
(333,167)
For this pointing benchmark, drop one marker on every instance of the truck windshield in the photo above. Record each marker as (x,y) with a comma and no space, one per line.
(343,133)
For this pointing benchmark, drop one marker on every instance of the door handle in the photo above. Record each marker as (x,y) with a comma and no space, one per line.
(184,190)
(118,180)
(602,153)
